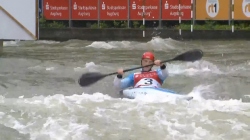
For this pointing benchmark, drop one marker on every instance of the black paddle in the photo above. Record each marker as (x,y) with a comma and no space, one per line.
(92,77)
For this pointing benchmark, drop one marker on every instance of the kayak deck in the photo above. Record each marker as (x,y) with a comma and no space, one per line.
(134,92)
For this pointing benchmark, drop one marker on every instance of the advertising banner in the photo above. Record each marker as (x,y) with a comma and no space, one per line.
(84,9)
(55,10)
(242,9)
(113,9)
(152,9)
(170,9)
(212,9)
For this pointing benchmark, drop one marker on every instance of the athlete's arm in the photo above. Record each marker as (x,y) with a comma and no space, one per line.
(121,84)
(162,72)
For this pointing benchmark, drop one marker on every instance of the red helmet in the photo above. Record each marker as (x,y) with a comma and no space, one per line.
(148,55)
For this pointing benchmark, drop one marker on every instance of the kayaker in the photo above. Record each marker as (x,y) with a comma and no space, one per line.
(146,77)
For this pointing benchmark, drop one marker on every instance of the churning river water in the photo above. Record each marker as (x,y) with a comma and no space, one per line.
(40,98)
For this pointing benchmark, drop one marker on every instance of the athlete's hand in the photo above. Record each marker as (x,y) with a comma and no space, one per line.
(158,63)
(120,71)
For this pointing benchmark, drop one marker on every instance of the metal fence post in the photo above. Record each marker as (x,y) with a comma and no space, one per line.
(232,7)
(179,17)
(98,20)
(128,14)
(160,13)
(192,19)
(70,14)
(143,18)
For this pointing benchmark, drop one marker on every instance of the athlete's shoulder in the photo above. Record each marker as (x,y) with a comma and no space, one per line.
(131,76)
(157,70)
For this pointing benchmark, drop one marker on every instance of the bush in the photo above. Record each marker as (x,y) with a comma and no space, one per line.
(103,25)
(54,24)
(185,25)
(136,24)
(94,26)
(42,21)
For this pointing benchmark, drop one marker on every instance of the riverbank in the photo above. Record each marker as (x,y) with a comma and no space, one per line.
(63,34)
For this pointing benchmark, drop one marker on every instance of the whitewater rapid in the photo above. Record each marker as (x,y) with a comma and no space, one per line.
(40,98)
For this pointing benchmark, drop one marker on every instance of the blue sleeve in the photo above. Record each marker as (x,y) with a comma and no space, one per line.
(127,82)
(162,75)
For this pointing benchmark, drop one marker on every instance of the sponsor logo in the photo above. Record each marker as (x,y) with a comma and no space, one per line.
(246,7)
(212,8)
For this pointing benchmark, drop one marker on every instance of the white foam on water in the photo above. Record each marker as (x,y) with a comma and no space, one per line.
(55,68)
(102,44)
(110,45)
(50,68)
(46,42)
(53,126)
(90,67)
(20,97)
(20,43)
(193,68)
(157,42)
(44,67)
(157,98)
(99,116)
(96,97)
(154,44)
(90,64)
(1,114)
(201,67)
(10,43)
(198,91)
(54,129)
(242,66)
(92,116)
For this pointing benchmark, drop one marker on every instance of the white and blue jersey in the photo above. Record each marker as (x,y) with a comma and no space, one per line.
(145,79)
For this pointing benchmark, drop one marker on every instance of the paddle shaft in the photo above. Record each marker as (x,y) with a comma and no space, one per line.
(189,56)
(126,70)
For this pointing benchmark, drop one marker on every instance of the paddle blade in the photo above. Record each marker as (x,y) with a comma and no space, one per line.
(90,78)
(192,55)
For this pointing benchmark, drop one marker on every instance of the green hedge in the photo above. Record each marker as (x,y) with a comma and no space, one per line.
(208,25)
(54,24)
(212,25)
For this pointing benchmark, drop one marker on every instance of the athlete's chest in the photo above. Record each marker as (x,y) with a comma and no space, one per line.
(147,80)
(153,75)
(148,76)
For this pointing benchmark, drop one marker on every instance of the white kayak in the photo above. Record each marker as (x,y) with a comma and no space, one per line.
(133,92)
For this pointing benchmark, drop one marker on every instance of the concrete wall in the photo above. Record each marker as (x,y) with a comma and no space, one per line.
(136,34)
